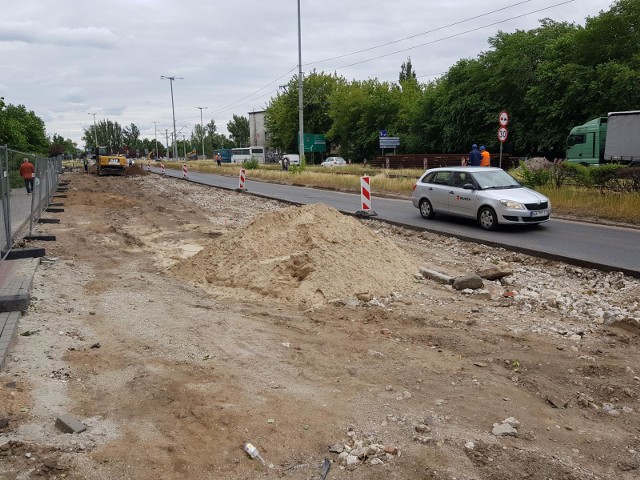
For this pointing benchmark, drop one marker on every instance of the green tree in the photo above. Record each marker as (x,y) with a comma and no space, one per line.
(131,137)
(58,145)
(282,112)
(238,129)
(21,129)
(109,134)
(359,111)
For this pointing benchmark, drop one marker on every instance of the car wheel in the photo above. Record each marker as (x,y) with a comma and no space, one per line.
(426,210)
(487,218)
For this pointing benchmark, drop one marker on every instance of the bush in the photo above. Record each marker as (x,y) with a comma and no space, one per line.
(535,178)
(629,178)
(563,171)
(251,164)
(297,168)
(605,176)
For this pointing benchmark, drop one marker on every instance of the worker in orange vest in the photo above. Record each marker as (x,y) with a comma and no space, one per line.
(485,161)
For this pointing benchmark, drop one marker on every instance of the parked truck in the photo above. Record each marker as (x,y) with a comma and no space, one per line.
(611,139)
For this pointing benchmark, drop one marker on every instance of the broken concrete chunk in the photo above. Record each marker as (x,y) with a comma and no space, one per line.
(473,282)
(504,429)
(437,276)
(68,424)
(556,402)
(495,272)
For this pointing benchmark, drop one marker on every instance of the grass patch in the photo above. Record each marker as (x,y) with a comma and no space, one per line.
(591,203)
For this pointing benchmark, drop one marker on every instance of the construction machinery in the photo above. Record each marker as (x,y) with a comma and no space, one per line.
(109,164)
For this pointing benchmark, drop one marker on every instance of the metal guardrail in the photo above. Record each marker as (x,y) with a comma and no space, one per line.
(21,211)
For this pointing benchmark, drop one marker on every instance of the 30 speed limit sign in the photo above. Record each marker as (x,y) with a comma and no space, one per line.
(502,134)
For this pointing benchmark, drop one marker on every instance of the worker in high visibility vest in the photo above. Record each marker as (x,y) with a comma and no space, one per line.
(485,161)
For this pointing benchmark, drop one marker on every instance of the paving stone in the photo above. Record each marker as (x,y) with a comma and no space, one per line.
(69,424)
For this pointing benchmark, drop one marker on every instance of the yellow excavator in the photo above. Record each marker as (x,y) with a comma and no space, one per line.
(107,164)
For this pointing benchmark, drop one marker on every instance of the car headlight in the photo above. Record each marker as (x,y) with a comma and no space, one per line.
(512,205)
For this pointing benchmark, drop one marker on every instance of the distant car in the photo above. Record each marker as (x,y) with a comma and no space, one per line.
(334,162)
(294,158)
(490,195)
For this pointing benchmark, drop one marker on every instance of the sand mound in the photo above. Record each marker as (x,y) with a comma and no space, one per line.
(304,255)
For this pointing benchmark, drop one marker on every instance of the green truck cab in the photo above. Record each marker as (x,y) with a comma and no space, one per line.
(611,139)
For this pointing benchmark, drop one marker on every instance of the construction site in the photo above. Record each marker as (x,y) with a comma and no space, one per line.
(170,324)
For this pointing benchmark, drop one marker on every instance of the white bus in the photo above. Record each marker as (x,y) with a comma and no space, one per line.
(242,155)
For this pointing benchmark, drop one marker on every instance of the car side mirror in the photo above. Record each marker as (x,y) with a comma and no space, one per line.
(468,186)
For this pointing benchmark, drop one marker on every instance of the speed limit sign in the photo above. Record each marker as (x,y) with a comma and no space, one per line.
(502,134)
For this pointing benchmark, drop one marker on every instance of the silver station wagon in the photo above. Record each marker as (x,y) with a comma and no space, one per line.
(488,194)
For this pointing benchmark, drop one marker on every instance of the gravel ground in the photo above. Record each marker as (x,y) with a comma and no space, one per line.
(536,375)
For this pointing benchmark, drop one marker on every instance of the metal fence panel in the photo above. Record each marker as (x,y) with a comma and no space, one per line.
(21,209)
(5,230)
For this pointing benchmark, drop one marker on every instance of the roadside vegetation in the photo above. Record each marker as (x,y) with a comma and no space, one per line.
(608,193)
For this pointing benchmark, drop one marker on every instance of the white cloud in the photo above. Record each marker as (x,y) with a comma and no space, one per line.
(35,33)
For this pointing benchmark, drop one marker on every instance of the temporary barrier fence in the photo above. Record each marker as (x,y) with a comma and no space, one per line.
(21,210)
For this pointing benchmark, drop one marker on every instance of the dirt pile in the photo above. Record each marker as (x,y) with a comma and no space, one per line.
(303,255)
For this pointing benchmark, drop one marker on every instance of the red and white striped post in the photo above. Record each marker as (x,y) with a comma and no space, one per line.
(242,180)
(162,168)
(365,193)
(185,171)
(149,166)
(365,197)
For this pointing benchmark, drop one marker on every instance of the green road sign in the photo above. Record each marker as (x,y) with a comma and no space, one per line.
(314,142)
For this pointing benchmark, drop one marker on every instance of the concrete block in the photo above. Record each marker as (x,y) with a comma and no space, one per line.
(69,424)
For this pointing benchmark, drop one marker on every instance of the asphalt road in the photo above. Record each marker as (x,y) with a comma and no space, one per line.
(584,244)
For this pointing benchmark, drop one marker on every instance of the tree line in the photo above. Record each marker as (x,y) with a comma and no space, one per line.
(121,139)
(549,79)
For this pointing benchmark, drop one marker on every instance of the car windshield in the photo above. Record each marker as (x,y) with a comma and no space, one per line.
(495,180)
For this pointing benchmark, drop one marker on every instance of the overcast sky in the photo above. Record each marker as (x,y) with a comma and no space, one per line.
(64,59)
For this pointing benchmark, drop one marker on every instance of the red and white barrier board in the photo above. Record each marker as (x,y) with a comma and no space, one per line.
(242,179)
(185,171)
(365,193)
(162,168)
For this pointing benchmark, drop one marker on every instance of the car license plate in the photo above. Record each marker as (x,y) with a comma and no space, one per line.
(539,213)
(114,161)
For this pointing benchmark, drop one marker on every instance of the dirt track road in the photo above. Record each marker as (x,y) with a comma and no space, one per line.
(179,322)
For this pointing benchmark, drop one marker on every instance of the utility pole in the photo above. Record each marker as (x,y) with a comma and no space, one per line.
(166,135)
(184,146)
(300,105)
(171,79)
(95,129)
(202,131)
(155,131)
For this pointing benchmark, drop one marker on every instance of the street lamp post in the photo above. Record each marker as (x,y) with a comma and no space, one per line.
(175,138)
(95,129)
(202,131)
(300,105)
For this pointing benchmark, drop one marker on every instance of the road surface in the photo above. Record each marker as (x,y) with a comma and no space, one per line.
(584,244)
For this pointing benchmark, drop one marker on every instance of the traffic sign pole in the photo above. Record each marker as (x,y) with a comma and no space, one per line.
(503,119)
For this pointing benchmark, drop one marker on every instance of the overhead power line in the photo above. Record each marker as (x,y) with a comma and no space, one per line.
(454,35)
(392,42)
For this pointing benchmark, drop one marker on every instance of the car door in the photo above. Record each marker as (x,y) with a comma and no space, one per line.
(437,191)
(462,202)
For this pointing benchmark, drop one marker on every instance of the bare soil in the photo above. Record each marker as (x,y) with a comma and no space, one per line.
(179,322)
